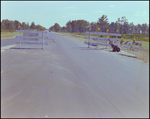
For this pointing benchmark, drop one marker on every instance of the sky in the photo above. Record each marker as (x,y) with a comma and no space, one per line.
(47,13)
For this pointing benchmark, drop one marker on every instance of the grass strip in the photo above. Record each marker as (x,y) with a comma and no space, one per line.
(8,35)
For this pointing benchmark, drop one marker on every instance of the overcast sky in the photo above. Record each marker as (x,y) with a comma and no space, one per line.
(47,13)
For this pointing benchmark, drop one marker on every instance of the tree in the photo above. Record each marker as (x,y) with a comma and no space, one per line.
(123,21)
(51,28)
(125,27)
(103,23)
(6,22)
(17,23)
(23,25)
(80,26)
(38,27)
(112,27)
(56,27)
(131,27)
(2,25)
(93,26)
(32,25)
(147,29)
(28,27)
(68,26)
(136,28)
(74,26)
(63,28)
(144,27)
(139,28)
(11,25)
(87,25)
(118,24)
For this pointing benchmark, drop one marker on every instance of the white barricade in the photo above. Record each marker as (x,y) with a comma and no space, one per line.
(32,36)
(106,39)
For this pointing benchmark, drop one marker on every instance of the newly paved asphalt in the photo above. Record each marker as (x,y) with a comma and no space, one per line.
(67,79)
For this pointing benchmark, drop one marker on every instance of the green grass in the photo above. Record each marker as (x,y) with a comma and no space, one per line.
(8,35)
(145,45)
(138,37)
(64,33)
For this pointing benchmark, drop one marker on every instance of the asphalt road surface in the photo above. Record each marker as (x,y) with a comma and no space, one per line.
(68,79)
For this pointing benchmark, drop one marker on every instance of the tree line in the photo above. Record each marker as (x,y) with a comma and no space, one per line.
(121,24)
(13,25)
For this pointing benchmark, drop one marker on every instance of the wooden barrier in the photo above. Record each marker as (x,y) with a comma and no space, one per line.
(135,43)
(107,39)
(31,36)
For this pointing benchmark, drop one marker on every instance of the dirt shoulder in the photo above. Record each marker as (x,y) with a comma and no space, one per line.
(141,55)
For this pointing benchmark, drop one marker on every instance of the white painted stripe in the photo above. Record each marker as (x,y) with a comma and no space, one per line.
(6,47)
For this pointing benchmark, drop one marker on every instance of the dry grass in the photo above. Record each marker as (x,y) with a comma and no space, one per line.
(2,33)
(142,55)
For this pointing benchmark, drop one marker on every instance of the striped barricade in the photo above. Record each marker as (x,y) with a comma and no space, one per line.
(126,42)
(129,45)
(114,42)
(136,43)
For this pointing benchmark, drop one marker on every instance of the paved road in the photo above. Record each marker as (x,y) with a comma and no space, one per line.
(67,79)
(7,42)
